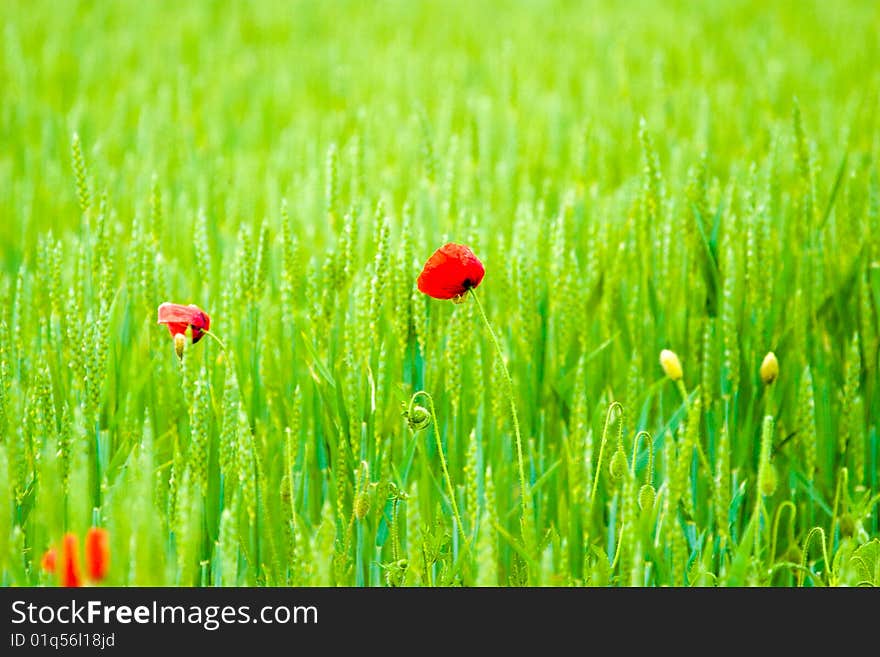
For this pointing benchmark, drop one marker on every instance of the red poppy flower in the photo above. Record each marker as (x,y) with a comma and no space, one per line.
(68,566)
(97,553)
(178,318)
(47,563)
(451,272)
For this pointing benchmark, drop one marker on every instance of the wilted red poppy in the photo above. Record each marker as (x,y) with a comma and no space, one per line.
(178,318)
(68,566)
(47,563)
(451,272)
(97,553)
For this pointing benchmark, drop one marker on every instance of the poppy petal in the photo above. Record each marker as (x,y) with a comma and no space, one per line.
(175,312)
(179,317)
(450,272)
(174,328)
(47,563)
(97,553)
(68,563)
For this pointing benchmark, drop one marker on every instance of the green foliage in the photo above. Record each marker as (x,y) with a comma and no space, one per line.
(695,177)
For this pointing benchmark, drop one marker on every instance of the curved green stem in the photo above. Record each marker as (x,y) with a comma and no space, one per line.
(840,486)
(215,338)
(619,544)
(806,554)
(650,440)
(775,534)
(619,406)
(443,464)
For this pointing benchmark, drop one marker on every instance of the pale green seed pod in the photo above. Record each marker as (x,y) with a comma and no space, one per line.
(618,466)
(418,418)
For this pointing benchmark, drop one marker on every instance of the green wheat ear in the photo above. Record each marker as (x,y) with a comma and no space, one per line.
(331,184)
(200,436)
(81,174)
(806,424)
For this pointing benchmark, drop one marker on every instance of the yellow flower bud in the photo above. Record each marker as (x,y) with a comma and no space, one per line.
(769,368)
(179,344)
(671,364)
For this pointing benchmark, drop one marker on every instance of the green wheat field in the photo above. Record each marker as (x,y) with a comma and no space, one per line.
(635,177)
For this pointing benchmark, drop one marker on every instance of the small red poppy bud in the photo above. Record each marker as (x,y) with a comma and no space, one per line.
(68,564)
(450,272)
(97,553)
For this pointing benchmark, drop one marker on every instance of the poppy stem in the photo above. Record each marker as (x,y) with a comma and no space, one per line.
(215,338)
(526,492)
(443,464)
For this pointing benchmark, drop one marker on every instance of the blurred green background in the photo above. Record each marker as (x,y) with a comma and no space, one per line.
(634,175)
